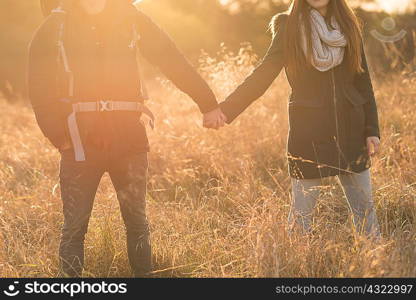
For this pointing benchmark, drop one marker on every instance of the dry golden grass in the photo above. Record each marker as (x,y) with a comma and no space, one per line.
(217,201)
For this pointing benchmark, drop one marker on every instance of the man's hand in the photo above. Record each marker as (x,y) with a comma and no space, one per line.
(373,145)
(67,145)
(214,119)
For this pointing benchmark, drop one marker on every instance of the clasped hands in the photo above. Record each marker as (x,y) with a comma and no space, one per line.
(214,119)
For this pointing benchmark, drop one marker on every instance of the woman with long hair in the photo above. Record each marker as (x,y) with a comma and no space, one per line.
(332,110)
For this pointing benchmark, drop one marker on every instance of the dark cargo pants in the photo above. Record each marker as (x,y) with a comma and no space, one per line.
(79,182)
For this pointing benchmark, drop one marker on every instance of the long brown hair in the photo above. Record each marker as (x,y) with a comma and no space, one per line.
(299,11)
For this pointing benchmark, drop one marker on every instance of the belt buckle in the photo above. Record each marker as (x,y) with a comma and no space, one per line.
(105,106)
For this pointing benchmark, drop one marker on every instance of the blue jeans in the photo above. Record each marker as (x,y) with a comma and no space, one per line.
(79,182)
(358,191)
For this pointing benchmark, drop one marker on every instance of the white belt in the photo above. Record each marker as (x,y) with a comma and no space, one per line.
(100,106)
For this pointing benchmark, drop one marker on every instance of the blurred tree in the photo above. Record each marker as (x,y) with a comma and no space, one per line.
(18,20)
(197,24)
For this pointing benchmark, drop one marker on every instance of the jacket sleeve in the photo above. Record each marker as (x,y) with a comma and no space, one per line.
(42,85)
(257,83)
(362,82)
(158,48)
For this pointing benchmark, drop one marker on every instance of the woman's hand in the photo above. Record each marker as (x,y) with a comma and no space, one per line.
(373,145)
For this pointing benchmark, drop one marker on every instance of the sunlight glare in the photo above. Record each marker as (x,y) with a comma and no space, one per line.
(391,6)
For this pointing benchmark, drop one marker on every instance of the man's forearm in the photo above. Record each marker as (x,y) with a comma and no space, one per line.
(157,47)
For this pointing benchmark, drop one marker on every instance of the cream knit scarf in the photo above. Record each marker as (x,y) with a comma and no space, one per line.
(328,45)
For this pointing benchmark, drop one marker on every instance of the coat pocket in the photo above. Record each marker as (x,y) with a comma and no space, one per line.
(355,111)
(354,96)
(306,102)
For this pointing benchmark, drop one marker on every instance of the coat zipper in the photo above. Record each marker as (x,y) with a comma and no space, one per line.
(335,100)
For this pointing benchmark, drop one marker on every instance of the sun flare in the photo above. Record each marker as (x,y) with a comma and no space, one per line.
(392,6)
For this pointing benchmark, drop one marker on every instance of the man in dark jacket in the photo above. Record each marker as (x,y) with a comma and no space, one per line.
(87,96)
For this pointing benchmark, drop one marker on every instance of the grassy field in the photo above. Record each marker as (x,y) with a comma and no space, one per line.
(218,201)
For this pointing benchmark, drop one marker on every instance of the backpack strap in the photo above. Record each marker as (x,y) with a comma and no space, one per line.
(62,57)
(134,44)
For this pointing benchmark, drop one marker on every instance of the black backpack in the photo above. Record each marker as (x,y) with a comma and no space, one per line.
(60,7)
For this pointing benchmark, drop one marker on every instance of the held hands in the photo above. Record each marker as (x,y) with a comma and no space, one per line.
(373,145)
(214,119)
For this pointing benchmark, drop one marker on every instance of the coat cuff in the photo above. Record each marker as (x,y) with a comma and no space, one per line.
(372,131)
(228,111)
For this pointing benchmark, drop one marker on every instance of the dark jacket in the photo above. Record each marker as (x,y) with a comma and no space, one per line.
(330,113)
(102,56)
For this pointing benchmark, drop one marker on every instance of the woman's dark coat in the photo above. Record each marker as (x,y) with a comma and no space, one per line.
(102,55)
(330,113)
